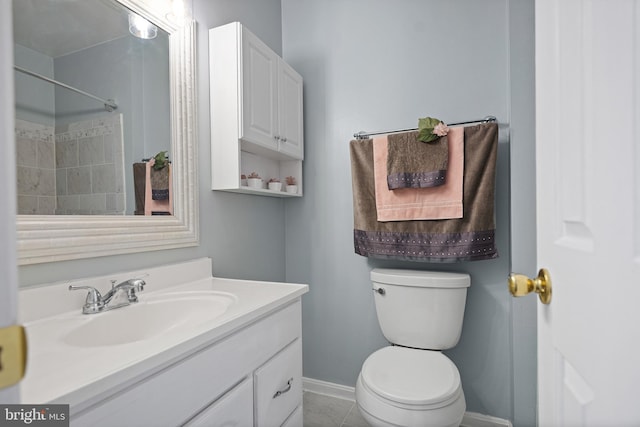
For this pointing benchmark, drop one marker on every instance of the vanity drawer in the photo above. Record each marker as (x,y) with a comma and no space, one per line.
(278,386)
(232,409)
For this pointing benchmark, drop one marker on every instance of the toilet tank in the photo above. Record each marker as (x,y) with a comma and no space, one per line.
(420,309)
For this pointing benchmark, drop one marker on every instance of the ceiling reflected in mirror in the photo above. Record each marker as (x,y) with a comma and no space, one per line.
(59,27)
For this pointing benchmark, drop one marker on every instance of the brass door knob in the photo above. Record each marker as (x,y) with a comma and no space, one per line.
(520,285)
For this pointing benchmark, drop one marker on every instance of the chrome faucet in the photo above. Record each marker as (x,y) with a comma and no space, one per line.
(118,296)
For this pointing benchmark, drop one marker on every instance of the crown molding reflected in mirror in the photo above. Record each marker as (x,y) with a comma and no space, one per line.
(49,238)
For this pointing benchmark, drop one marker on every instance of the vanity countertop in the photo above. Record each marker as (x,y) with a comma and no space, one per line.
(63,372)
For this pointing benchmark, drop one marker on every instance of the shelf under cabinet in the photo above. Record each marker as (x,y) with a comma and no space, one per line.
(262,192)
(267,167)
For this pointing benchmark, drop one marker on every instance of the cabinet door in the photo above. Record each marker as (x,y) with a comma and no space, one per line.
(278,386)
(296,419)
(290,121)
(259,92)
(234,409)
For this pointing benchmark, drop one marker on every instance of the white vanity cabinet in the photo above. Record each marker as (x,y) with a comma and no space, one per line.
(252,377)
(256,112)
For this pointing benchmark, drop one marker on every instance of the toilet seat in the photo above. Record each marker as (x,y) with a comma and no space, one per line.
(407,377)
(400,386)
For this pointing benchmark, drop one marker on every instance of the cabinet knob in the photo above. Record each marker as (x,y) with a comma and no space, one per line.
(283,139)
(276,137)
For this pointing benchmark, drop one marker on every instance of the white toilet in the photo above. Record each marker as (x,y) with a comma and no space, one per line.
(411,383)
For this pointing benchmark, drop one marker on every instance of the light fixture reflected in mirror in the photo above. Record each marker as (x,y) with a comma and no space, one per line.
(141,28)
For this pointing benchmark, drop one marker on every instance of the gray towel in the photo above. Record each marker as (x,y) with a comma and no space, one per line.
(139,185)
(415,164)
(469,238)
(160,183)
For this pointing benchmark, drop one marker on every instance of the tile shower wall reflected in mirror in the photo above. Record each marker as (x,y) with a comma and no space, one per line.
(76,170)
(35,161)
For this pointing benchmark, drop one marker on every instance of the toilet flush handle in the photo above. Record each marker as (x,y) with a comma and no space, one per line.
(381,291)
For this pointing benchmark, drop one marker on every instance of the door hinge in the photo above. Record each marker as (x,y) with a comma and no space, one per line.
(13,355)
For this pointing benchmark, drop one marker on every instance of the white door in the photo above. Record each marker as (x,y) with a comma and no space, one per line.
(8,259)
(588,211)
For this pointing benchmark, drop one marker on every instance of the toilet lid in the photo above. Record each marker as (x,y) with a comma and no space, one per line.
(410,376)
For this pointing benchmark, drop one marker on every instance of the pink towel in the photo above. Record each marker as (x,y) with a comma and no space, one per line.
(443,202)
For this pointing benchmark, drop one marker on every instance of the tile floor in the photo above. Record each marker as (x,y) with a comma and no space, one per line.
(326,411)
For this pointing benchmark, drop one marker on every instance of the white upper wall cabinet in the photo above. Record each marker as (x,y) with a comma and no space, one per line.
(256,113)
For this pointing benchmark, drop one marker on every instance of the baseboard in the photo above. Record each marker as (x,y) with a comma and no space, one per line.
(329,389)
(471,419)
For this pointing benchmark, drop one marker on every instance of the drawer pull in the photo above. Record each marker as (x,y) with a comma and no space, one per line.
(284,390)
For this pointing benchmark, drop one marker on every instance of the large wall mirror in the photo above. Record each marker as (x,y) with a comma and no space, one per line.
(91,99)
(92,102)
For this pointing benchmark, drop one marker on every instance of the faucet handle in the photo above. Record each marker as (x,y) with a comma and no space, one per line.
(137,284)
(93,303)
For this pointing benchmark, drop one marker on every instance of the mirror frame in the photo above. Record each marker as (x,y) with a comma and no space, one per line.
(49,238)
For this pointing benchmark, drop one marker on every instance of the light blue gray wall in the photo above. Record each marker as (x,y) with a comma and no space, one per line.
(375,65)
(523,206)
(243,234)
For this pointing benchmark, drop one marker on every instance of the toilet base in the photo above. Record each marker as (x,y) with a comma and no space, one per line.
(380,412)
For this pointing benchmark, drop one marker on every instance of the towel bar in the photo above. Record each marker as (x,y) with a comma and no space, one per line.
(364,135)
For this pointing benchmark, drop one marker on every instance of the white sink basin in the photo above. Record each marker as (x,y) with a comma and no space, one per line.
(154,315)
